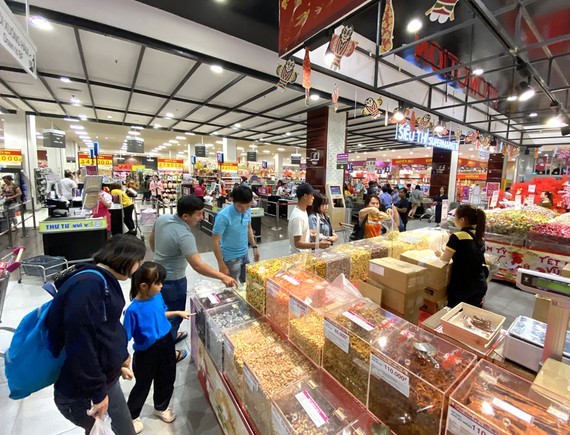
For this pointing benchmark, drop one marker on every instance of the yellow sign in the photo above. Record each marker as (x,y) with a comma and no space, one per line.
(229,166)
(138,167)
(103,160)
(72,225)
(12,157)
(171,165)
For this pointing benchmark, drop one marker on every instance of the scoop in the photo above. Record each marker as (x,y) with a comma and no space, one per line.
(427,350)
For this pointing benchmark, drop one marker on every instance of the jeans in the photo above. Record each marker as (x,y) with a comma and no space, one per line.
(237,267)
(174,295)
(75,410)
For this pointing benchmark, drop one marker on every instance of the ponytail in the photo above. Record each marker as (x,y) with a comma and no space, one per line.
(480,228)
(148,273)
(473,216)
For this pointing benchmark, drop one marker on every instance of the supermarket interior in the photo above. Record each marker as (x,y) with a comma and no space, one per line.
(443,112)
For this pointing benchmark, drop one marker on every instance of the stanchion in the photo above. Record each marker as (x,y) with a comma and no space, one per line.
(276,227)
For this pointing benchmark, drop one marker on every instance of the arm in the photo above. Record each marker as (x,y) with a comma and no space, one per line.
(184,314)
(450,248)
(299,244)
(202,268)
(151,239)
(363,212)
(251,237)
(393,212)
(216,238)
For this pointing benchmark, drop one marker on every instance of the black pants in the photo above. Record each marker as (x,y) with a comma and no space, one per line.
(128,217)
(158,364)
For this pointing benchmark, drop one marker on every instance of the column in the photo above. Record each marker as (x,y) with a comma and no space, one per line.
(230,150)
(444,173)
(278,161)
(495,167)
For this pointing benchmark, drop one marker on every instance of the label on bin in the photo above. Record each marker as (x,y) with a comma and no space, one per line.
(389,374)
(460,423)
(214,299)
(280,425)
(297,308)
(229,348)
(313,410)
(337,335)
(377,269)
(290,279)
(250,379)
(272,288)
(360,321)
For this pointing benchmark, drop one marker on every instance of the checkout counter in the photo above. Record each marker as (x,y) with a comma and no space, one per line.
(210,212)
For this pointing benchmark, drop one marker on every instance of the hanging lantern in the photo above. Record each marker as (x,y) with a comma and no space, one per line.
(335,96)
(307,75)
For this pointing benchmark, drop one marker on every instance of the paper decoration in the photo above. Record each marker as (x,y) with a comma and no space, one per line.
(342,45)
(472,137)
(307,75)
(413,121)
(372,107)
(387,28)
(334,97)
(442,11)
(458,134)
(424,122)
(286,74)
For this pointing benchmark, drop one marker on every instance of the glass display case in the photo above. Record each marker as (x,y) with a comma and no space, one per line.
(265,373)
(350,330)
(492,400)
(221,318)
(412,374)
(431,238)
(365,425)
(359,258)
(241,341)
(329,265)
(215,296)
(256,279)
(279,287)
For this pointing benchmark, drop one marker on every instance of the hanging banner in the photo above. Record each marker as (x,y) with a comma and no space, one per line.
(54,139)
(200,151)
(104,161)
(295,159)
(10,157)
(171,165)
(300,20)
(252,156)
(15,39)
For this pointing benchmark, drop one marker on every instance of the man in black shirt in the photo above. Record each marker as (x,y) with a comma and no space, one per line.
(402,207)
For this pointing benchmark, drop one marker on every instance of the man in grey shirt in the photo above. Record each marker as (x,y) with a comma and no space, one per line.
(174,247)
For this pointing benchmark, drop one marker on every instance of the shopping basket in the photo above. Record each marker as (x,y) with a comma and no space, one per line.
(43,265)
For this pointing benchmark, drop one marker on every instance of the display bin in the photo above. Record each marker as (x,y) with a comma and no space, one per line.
(265,373)
(366,424)
(279,287)
(256,279)
(359,258)
(431,238)
(216,295)
(221,318)
(350,331)
(313,406)
(492,400)
(306,318)
(44,266)
(241,341)
(410,385)
(329,265)
(377,246)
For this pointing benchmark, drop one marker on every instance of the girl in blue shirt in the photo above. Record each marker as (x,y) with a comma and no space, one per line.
(146,322)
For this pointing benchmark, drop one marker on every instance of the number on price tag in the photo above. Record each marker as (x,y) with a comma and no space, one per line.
(389,374)
(460,423)
(337,335)
(297,308)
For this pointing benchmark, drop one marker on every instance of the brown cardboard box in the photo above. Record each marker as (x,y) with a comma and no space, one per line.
(395,301)
(370,291)
(398,275)
(435,295)
(566,271)
(438,271)
(541,308)
(411,316)
(433,307)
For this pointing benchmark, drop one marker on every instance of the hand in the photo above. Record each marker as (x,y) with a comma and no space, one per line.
(324,244)
(229,281)
(127,373)
(256,255)
(223,268)
(438,253)
(127,362)
(100,409)
(184,314)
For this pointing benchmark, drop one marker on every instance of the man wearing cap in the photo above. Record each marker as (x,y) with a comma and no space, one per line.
(298,229)
(11,194)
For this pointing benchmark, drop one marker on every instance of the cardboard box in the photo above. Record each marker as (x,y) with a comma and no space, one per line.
(411,316)
(395,301)
(398,275)
(541,308)
(370,291)
(433,307)
(566,271)
(435,295)
(438,272)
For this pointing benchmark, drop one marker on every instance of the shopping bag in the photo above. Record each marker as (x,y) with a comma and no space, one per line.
(102,426)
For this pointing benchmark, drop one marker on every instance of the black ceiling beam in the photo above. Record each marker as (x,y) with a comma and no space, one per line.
(16,95)
(134,82)
(84,65)
(47,86)
(190,73)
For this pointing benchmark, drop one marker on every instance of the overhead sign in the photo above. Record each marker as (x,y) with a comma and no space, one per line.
(425,138)
(370,165)
(200,151)
(149,163)
(16,41)
(252,156)
(295,159)
(417,161)
(342,161)
(483,154)
(54,138)
(229,167)
(171,165)
(103,160)
(10,157)
(220,157)
(135,145)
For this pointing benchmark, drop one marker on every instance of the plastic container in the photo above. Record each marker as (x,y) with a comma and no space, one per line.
(359,258)
(329,265)
(205,300)
(256,279)
(412,374)
(377,246)
(492,400)
(350,331)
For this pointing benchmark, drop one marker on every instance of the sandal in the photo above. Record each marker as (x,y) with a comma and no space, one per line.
(180,355)
(180,336)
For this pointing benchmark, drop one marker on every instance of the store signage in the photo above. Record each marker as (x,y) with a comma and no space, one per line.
(425,138)
(54,139)
(10,157)
(350,167)
(172,165)
(492,187)
(426,161)
(150,163)
(465,192)
(370,165)
(342,161)
(229,167)
(483,154)
(252,156)
(444,210)
(200,151)
(16,40)
(472,163)
(464,176)
(126,167)
(220,157)
(103,160)
(264,164)
(71,225)
(138,168)
(135,145)
(295,159)
(96,148)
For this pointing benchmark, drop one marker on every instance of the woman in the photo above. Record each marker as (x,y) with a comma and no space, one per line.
(374,215)
(416,200)
(467,247)
(128,208)
(156,188)
(102,208)
(145,189)
(546,200)
(200,189)
(281,189)
(11,194)
(318,214)
(438,204)
(84,321)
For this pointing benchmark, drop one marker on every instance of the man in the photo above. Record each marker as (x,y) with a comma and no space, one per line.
(386,198)
(372,189)
(231,232)
(298,229)
(174,247)
(402,207)
(66,186)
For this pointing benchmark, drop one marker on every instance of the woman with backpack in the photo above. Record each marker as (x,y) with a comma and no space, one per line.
(372,218)
(84,322)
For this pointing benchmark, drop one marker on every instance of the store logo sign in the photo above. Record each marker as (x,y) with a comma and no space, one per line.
(423,137)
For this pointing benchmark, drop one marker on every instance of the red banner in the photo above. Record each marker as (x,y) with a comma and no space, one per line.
(300,20)
(418,161)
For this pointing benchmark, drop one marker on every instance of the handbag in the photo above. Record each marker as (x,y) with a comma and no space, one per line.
(358,230)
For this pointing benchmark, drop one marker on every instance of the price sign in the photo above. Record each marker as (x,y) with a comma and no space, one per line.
(173,165)
(214,299)
(444,210)
(10,157)
(296,307)
(337,335)
(389,374)
(312,409)
(494,199)
(518,201)
(103,160)
(360,321)
(229,167)
(460,423)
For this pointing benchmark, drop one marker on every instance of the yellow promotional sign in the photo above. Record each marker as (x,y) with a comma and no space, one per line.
(170,165)
(229,166)
(103,160)
(138,167)
(10,157)
(72,225)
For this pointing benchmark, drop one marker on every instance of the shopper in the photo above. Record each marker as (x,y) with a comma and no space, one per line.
(546,200)
(66,185)
(416,200)
(372,188)
(128,207)
(12,194)
(402,206)
(467,247)
(231,232)
(319,220)
(85,323)
(145,189)
(373,217)
(281,189)
(156,188)
(102,208)
(386,198)
(298,228)
(438,204)
(200,189)
(154,360)
(174,248)
(508,194)
(244,182)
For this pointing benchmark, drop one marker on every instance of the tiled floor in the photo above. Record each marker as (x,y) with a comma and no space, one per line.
(37,414)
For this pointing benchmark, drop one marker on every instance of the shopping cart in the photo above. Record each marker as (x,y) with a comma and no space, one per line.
(8,264)
(42,265)
(144,219)
(428,213)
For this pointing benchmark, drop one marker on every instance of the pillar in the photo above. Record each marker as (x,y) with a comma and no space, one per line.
(495,167)
(278,161)
(190,151)
(444,173)
(229,149)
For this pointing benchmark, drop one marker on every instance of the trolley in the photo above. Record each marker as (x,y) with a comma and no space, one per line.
(144,218)
(429,213)
(8,264)
(43,266)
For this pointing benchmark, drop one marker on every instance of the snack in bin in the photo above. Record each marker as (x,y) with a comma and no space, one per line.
(256,278)
(514,222)
(329,265)
(359,258)
(377,247)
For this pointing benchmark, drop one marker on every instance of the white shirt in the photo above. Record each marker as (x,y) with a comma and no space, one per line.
(298,226)
(66,186)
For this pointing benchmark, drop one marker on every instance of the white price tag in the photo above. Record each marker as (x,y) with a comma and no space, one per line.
(360,321)
(444,210)
(280,425)
(214,299)
(250,379)
(337,335)
(313,410)
(391,375)
(290,279)
(272,289)
(229,348)
(377,269)
(459,423)
(297,308)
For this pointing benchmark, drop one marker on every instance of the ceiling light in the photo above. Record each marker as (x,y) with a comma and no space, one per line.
(266,152)
(237,125)
(220,142)
(399,157)
(109,116)
(134,133)
(189,133)
(360,145)
(526,92)
(280,149)
(173,141)
(288,134)
(414,25)
(240,148)
(478,71)
(84,136)
(181,137)
(75,101)
(65,79)
(512,98)
(470,149)
(157,126)
(71,119)
(314,97)
(169,115)
(215,133)
(555,121)
(136,127)
(533,115)
(398,116)
(40,23)
(253,146)
(217,69)
(77,127)
(411,153)
(83,117)
(243,154)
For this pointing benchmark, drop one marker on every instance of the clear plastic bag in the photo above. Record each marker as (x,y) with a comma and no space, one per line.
(102,426)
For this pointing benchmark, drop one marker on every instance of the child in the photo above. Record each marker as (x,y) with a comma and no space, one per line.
(146,322)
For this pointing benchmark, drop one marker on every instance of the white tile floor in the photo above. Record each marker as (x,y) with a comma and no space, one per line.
(38,415)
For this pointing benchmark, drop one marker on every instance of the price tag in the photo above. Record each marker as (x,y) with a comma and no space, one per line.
(337,335)
(297,308)
(272,289)
(444,210)
(377,269)
(290,279)
(229,348)
(494,199)
(313,410)
(518,201)
(250,379)
(280,425)
(214,299)
(360,321)
(459,423)
(394,377)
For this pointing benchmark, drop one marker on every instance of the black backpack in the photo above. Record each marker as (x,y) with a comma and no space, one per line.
(358,230)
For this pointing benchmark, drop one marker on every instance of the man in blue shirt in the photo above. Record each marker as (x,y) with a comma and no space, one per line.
(231,232)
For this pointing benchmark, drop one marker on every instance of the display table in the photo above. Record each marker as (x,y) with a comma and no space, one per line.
(75,238)
(210,212)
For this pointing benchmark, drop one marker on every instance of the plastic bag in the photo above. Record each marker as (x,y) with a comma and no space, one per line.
(102,426)
(343,283)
